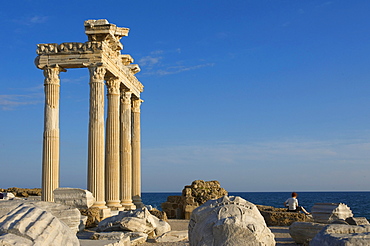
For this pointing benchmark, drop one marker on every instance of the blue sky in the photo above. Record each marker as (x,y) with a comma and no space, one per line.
(260,95)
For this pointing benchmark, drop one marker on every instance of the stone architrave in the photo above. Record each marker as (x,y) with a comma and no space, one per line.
(95,160)
(112,153)
(228,221)
(136,158)
(126,151)
(50,158)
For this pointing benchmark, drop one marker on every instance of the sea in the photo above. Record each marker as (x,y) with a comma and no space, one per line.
(359,202)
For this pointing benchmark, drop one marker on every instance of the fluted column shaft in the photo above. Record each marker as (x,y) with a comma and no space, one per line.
(126,151)
(112,158)
(50,152)
(95,179)
(136,160)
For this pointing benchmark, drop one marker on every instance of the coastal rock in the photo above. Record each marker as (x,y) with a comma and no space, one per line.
(337,235)
(303,232)
(69,215)
(194,195)
(329,212)
(78,198)
(229,221)
(21,192)
(139,220)
(40,226)
(281,217)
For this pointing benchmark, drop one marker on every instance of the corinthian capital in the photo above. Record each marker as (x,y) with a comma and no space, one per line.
(51,74)
(97,72)
(126,97)
(136,103)
(113,85)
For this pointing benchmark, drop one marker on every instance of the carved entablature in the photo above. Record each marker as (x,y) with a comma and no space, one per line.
(69,48)
(104,48)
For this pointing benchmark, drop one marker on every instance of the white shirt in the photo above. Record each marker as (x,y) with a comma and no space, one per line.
(292,202)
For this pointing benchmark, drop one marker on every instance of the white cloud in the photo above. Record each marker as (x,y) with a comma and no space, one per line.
(149,61)
(11,102)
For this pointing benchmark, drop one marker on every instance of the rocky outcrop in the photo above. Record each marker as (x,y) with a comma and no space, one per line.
(357,221)
(139,220)
(337,235)
(21,192)
(35,227)
(78,198)
(329,212)
(69,215)
(281,217)
(194,195)
(228,221)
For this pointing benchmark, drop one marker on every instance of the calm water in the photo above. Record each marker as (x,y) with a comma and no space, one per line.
(359,202)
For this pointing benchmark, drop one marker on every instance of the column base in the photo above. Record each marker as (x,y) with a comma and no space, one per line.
(114,205)
(128,205)
(137,201)
(100,205)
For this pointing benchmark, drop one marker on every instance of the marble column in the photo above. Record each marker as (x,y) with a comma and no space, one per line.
(112,157)
(136,160)
(126,151)
(95,178)
(50,152)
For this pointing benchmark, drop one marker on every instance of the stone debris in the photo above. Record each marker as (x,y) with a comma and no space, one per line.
(139,220)
(172,236)
(69,215)
(78,198)
(7,196)
(338,235)
(357,221)
(303,232)
(329,212)
(229,221)
(37,225)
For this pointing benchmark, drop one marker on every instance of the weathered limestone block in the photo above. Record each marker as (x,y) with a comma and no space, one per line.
(228,221)
(172,236)
(159,214)
(79,198)
(280,216)
(357,221)
(194,195)
(342,235)
(137,238)
(303,232)
(69,215)
(329,212)
(14,240)
(139,220)
(37,225)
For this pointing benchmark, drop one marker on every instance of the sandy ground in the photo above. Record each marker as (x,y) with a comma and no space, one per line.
(282,236)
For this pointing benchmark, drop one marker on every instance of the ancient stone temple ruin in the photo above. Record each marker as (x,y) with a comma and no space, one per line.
(113,160)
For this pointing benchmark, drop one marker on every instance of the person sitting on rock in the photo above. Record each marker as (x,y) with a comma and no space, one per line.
(292,204)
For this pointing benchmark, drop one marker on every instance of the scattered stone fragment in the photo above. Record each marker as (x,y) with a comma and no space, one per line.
(303,232)
(79,198)
(329,212)
(338,235)
(229,221)
(40,226)
(172,236)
